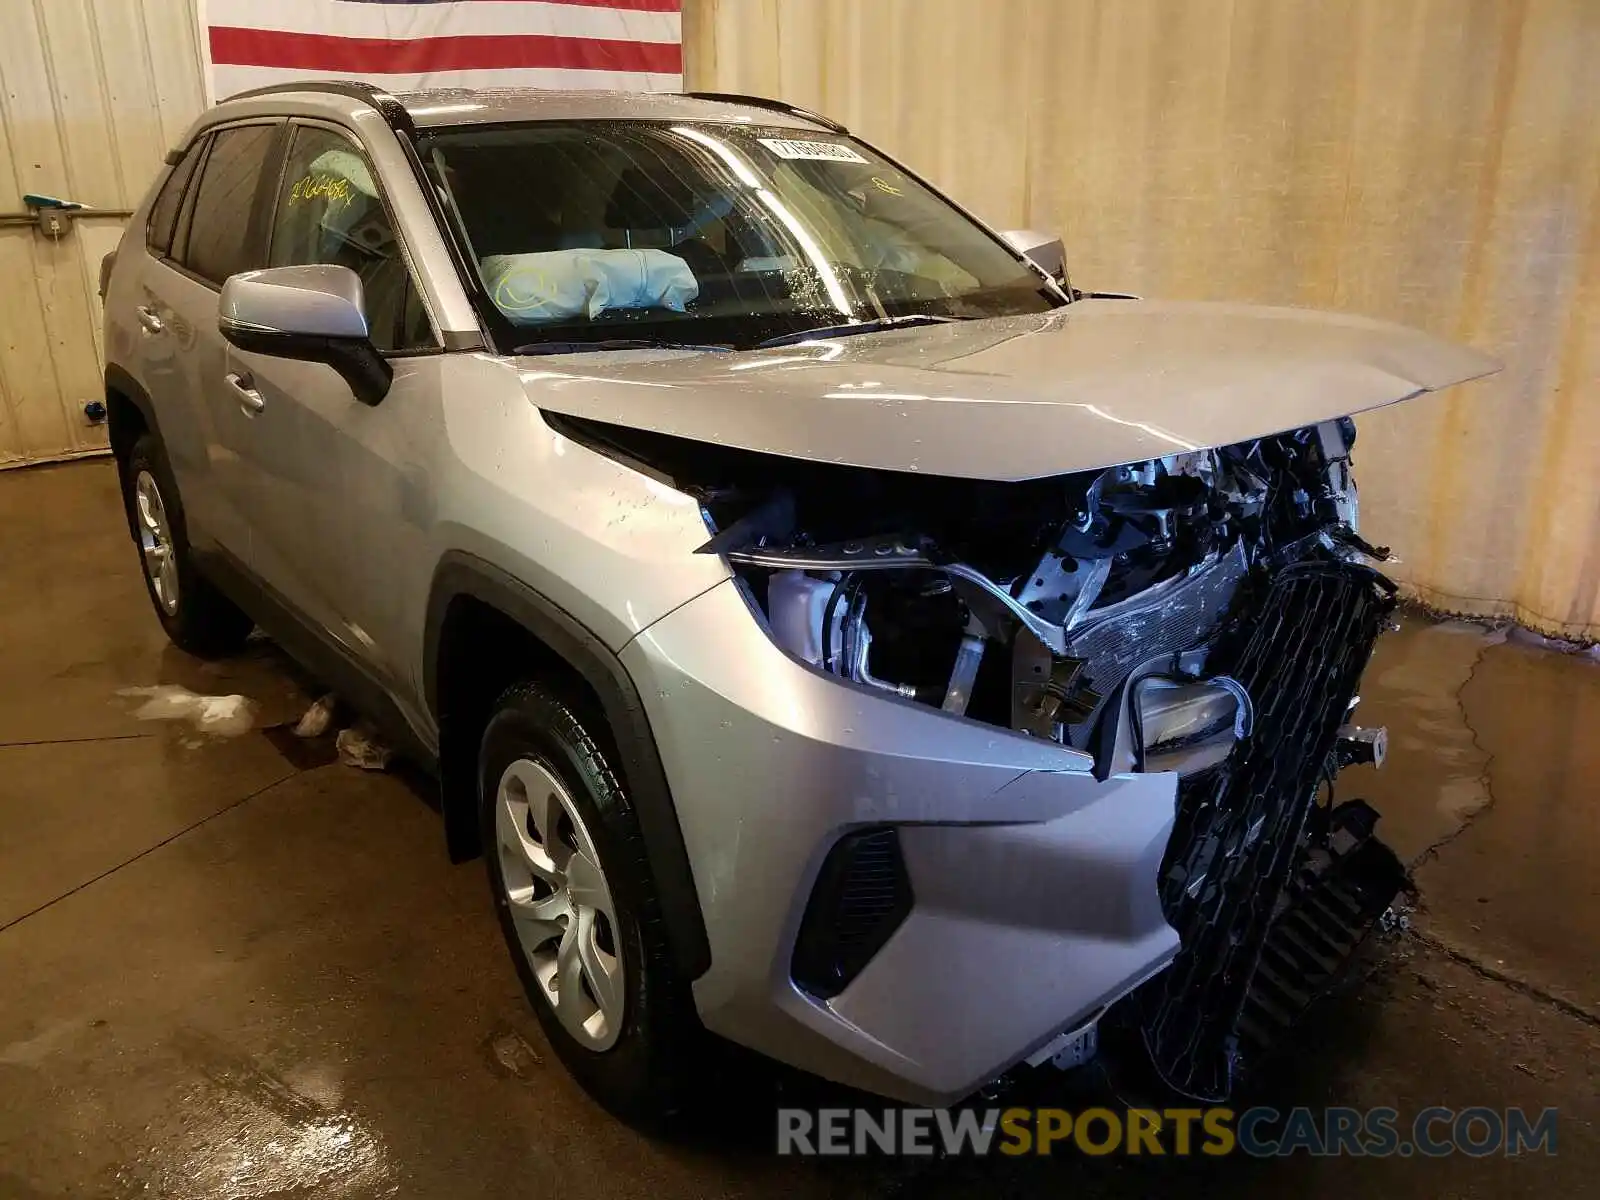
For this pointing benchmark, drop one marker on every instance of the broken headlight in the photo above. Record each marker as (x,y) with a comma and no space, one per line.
(1051,607)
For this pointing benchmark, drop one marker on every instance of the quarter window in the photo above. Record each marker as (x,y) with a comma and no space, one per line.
(329,211)
(164,213)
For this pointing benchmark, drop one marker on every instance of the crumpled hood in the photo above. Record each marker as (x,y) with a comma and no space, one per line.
(1094,384)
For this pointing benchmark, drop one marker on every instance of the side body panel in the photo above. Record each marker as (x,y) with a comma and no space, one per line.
(341,505)
(151,336)
(181,367)
(603,542)
(456,459)
(161,329)
(327,475)
(366,502)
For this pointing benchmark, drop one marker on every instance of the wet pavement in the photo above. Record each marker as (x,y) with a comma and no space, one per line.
(231,969)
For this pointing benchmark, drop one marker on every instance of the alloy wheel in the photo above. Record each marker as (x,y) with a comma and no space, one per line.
(560,903)
(155,541)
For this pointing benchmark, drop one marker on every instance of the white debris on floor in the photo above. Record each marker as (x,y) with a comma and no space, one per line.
(359,747)
(317,719)
(229,716)
(217,716)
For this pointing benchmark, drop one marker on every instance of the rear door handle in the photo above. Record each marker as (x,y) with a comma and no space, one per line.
(147,318)
(244,388)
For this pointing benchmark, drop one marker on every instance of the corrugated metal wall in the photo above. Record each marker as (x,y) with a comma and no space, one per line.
(1435,162)
(92,93)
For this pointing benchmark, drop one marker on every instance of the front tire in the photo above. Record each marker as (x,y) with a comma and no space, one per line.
(578,907)
(197,617)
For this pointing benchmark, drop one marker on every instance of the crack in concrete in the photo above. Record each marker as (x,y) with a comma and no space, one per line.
(72,741)
(1507,978)
(128,862)
(1484,777)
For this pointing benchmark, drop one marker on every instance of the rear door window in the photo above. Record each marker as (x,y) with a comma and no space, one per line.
(220,241)
(164,212)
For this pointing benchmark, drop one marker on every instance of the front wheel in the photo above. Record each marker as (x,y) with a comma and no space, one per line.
(577,905)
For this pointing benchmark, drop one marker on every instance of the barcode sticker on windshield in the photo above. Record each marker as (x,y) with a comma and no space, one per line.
(816,151)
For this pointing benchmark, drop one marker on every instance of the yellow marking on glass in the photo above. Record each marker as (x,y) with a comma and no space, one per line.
(335,189)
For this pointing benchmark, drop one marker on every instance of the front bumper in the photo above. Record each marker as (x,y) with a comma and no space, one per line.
(1035,885)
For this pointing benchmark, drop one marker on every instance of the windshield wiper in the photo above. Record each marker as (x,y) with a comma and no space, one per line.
(616,344)
(805,335)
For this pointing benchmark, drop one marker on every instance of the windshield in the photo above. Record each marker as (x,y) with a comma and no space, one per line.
(709,234)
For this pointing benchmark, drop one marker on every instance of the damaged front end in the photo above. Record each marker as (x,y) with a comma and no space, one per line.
(1207,614)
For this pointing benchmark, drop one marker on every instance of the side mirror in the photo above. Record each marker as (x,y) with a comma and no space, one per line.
(1043,250)
(315,314)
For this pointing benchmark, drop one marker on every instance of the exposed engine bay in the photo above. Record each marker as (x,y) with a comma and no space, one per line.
(1207,613)
(1042,606)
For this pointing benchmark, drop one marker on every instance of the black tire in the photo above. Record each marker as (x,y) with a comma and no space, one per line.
(205,622)
(644,1077)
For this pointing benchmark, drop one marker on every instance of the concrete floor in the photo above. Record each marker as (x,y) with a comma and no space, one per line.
(228,972)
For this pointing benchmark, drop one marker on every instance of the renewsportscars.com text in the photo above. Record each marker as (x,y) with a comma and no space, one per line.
(1259,1132)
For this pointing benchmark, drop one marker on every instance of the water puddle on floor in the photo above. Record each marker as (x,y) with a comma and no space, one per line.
(301,753)
(243,1131)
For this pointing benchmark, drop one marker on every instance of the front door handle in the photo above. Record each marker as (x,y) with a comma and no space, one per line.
(244,388)
(148,319)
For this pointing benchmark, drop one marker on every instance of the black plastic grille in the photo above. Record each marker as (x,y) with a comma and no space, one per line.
(861,896)
(1238,831)
(1333,904)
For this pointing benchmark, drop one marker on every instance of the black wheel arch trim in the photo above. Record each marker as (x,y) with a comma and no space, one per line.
(120,381)
(461,574)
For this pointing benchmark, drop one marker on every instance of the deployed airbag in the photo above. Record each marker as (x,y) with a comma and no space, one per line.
(555,285)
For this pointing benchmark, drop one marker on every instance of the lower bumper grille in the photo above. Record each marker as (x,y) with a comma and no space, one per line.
(1239,829)
(861,897)
(1335,900)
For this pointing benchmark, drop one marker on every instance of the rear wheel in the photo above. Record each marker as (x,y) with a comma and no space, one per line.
(197,617)
(577,905)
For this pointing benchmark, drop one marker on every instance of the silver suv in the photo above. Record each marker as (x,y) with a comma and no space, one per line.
(836,631)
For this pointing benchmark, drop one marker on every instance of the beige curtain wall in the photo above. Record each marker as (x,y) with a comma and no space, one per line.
(1435,162)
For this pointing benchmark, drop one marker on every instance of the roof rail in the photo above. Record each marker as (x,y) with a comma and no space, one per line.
(390,108)
(794,110)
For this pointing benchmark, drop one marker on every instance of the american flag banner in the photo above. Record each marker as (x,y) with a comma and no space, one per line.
(406,45)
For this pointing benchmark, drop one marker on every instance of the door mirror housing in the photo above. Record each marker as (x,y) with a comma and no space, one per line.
(313,313)
(1043,250)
